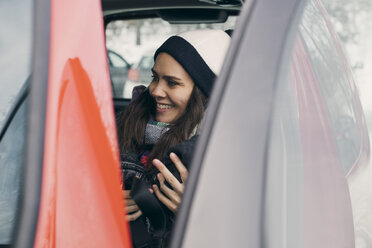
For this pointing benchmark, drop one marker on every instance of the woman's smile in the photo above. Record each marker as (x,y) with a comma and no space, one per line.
(163,107)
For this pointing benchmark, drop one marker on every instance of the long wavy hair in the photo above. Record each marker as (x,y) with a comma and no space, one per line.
(132,124)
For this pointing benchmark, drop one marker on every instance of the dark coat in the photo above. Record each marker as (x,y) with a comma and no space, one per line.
(153,228)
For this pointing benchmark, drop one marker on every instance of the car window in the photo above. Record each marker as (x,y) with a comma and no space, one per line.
(334,86)
(136,41)
(314,141)
(12,147)
(15,48)
(147,62)
(116,60)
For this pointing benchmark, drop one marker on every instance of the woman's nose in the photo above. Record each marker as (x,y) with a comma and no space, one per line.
(158,90)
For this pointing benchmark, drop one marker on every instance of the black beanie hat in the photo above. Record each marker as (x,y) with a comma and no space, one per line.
(200,52)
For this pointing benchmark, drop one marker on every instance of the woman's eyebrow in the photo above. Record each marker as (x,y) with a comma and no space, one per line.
(167,76)
(172,78)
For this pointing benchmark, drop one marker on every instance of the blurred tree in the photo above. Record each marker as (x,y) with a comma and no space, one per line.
(139,24)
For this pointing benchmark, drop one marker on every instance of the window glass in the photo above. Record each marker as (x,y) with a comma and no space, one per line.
(147,62)
(136,41)
(353,23)
(116,61)
(11,158)
(15,50)
(314,142)
(334,85)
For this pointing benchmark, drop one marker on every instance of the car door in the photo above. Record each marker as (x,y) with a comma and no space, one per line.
(268,169)
(224,199)
(72,190)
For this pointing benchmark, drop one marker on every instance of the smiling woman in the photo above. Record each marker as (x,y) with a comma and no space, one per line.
(171,88)
(162,122)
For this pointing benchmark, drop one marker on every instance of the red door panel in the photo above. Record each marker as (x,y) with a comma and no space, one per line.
(81,200)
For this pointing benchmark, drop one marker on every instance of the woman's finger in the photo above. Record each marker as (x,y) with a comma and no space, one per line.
(128,199)
(171,179)
(134,216)
(180,166)
(168,203)
(130,202)
(131,208)
(172,195)
(126,194)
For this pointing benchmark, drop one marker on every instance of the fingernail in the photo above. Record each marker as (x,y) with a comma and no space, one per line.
(172,154)
(160,176)
(155,161)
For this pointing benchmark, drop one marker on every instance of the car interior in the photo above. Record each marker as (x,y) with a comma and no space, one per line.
(175,16)
(140,27)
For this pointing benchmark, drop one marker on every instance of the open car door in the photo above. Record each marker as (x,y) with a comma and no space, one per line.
(72,188)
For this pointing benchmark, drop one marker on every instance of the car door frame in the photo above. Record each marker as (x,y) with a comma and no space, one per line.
(28,211)
(247,81)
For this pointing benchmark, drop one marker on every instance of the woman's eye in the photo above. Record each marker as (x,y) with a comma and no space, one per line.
(172,83)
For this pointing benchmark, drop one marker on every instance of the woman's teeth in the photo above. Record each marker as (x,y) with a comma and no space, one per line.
(163,106)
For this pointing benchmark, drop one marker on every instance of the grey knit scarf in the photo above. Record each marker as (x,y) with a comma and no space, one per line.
(154,131)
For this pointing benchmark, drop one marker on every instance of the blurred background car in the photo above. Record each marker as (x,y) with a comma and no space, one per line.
(139,74)
(118,71)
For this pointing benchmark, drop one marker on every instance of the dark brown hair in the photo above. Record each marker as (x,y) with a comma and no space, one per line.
(132,124)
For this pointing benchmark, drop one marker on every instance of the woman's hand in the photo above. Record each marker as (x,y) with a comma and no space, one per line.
(132,209)
(170,198)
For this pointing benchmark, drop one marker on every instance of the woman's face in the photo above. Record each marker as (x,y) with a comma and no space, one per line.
(171,88)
